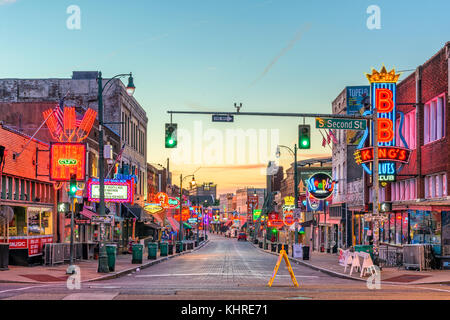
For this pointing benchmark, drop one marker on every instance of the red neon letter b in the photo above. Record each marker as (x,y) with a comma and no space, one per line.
(384,100)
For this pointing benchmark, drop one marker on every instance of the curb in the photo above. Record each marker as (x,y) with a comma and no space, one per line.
(144,266)
(118,273)
(344,276)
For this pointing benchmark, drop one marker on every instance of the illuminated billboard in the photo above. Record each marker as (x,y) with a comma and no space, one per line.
(115,190)
(67,159)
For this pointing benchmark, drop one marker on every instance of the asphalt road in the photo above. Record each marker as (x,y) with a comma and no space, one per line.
(224,269)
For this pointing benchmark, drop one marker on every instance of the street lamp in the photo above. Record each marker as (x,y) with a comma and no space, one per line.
(103,257)
(192,183)
(294,153)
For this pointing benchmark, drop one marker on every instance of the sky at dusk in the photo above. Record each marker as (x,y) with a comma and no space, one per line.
(271,56)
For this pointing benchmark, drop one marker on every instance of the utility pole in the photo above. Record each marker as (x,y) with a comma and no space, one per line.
(376,188)
(296,192)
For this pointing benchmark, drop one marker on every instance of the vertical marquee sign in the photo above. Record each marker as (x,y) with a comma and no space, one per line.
(383,99)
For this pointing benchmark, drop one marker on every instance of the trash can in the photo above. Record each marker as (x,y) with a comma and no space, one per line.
(179,247)
(164,248)
(273,247)
(137,253)
(196,243)
(170,249)
(286,248)
(4,256)
(280,246)
(266,246)
(260,244)
(305,250)
(111,251)
(255,241)
(152,250)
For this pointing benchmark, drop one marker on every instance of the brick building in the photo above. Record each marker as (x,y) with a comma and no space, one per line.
(421,203)
(420,200)
(29,195)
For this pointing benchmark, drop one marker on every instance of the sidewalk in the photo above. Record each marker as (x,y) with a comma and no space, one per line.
(328,263)
(88,268)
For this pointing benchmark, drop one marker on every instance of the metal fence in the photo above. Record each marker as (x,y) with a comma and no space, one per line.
(390,255)
(55,253)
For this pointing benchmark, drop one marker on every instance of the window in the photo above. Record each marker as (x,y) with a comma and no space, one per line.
(408,130)
(403,190)
(434,119)
(436,186)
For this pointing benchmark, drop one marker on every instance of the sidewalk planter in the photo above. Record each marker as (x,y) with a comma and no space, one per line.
(137,253)
(111,251)
(273,247)
(179,247)
(4,256)
(305,252)
(170,249)
(365,248)
(164,249)
(152,250)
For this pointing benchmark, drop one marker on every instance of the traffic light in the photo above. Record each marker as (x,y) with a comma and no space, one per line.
(171,135)
(304,136)
(73,185)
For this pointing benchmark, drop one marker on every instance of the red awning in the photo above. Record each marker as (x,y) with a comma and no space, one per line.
(87,213)
(173,223)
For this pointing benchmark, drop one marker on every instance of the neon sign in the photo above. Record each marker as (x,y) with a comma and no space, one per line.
(67,159)
(320,186)
(115,190)
(64,126)
(383,95)
(67,162)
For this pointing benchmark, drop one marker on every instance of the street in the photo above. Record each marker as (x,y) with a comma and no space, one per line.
(224,269)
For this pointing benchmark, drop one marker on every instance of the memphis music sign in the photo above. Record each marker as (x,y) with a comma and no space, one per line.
(383,96)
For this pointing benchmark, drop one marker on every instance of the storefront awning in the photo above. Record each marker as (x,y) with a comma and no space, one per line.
(152,225)
(131,212)
(186,226)
(174,224)
(87,213)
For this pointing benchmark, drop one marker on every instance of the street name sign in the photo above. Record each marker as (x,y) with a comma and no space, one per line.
(344,124)
(222,118)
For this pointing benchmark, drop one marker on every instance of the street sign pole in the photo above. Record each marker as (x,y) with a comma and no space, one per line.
(376,187)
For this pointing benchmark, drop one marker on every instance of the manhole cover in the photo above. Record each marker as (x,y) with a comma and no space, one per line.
(405,278)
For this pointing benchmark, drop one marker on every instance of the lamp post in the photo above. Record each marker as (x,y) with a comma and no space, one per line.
(193,183)
(294,153)
(103,258)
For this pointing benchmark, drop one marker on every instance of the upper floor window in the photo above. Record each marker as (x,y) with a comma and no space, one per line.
(436,185)
(408,130)
(434,119)
(403,190)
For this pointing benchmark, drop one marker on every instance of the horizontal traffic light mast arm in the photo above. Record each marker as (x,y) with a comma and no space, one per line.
(275,114)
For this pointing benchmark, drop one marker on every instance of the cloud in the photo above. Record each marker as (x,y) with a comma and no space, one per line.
(282,53)
(2,2)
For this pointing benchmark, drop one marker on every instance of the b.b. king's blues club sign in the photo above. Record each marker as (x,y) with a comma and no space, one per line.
(390,152)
